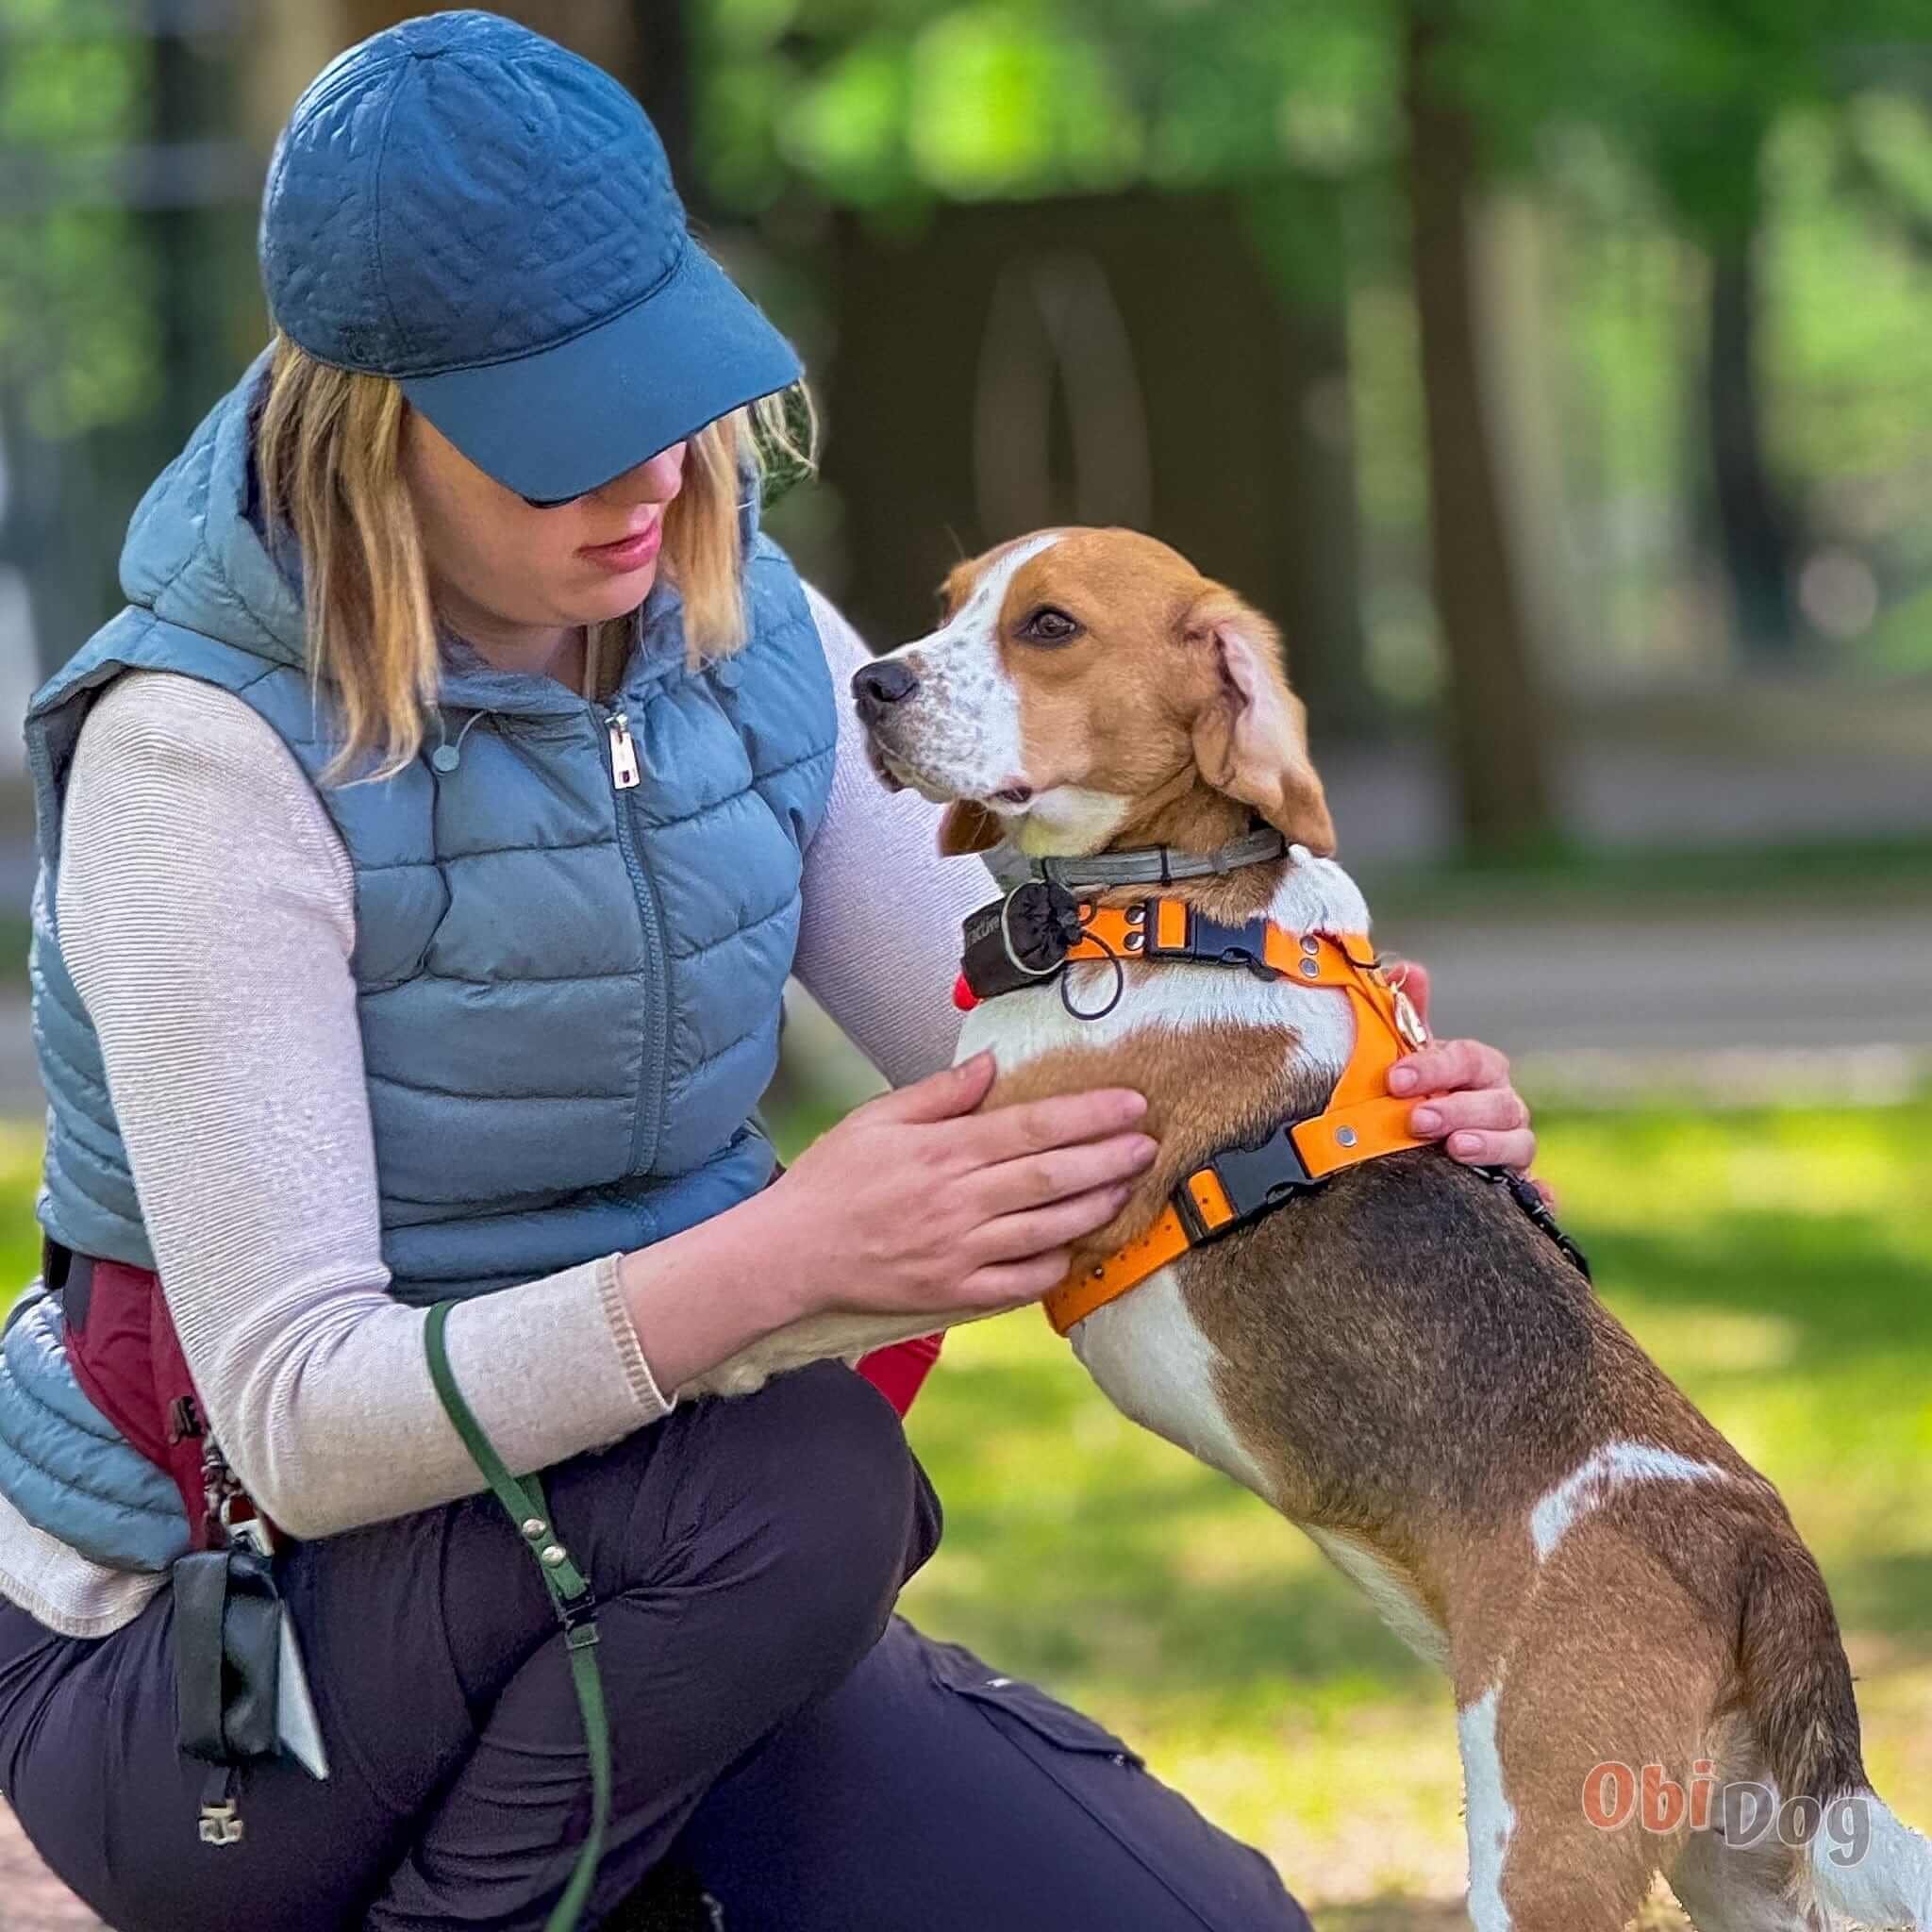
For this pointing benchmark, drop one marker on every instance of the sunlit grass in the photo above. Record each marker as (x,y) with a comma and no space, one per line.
(1778,1263)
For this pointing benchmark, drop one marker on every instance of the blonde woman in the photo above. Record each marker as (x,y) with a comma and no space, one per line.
(424,852)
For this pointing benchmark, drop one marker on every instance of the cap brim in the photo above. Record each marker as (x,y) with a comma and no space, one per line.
(566,419)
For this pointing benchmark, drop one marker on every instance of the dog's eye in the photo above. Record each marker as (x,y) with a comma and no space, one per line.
(1049,627)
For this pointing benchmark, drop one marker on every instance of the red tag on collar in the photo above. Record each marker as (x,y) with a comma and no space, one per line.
(963,995)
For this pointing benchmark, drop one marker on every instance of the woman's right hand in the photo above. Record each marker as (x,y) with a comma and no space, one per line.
(916,1205)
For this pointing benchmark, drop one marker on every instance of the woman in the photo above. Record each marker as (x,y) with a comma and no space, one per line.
(426,849)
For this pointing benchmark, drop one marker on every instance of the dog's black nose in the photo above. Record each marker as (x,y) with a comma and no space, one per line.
(880,685)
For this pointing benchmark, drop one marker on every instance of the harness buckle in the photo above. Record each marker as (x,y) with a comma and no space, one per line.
(1216,944)
(577,1614)
(1254,1180)
(1523,1191)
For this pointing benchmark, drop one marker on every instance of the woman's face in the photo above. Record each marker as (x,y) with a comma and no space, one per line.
(505,573)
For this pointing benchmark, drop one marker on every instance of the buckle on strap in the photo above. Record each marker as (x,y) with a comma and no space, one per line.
(1214,943)
(1524,1192)
(577,1614)
(1249,1181)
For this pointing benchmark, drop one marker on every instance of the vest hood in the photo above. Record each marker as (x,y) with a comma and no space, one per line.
(193,557)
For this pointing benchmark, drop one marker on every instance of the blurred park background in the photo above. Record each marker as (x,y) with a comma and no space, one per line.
(1560,378)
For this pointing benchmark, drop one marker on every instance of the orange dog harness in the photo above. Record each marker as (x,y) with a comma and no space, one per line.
(1361,1122)
(1238,1183)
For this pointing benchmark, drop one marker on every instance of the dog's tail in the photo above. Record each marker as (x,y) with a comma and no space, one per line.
(1864,1863)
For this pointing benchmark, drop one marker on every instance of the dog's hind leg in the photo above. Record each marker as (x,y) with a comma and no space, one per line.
(1601,1682)
(1488,1814)
(1536,1864)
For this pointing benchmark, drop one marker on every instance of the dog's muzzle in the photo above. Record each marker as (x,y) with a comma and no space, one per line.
(878,686)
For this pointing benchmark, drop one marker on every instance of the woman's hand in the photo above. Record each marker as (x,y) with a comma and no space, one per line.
(914,1203)
(911,1205)
(1465,1097)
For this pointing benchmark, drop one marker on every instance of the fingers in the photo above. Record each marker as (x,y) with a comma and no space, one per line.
(942,1096)
(1036,1179)
(1009,1133)
(1493,1109)
(1012,1236)
(1488,1128)
(1514,1150)
(1010,1284)
(1449,1066)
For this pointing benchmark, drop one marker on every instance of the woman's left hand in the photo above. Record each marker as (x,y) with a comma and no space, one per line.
(1463,1093)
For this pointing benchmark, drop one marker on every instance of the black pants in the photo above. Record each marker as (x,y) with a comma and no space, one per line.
(819,1764)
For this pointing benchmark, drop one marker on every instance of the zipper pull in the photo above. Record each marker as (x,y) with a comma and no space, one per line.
(623,752)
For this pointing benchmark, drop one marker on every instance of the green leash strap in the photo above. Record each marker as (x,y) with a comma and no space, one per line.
(570,1597)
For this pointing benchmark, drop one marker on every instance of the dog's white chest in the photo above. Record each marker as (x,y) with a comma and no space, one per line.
(1158,1370)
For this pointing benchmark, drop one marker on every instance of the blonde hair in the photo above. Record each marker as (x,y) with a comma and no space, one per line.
(328,449)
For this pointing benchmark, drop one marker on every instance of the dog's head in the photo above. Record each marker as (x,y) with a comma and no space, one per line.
(1081,681)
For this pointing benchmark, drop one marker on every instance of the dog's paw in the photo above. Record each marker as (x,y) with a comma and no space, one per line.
(730,1378)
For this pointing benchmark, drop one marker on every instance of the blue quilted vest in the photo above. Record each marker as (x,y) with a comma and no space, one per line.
(569,993)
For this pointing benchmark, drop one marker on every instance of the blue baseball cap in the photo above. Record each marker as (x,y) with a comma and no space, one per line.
(464,205)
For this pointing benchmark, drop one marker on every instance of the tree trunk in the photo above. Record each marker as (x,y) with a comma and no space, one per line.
(1297,227)
(1753,526)
(1499,720)
(662,76)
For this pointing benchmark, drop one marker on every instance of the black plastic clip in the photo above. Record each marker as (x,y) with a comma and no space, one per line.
(1213,943)
(577,1613)
(1255,1179)
(1524,1194)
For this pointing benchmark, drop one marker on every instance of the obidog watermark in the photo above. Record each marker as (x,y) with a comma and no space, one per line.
(1742,1812)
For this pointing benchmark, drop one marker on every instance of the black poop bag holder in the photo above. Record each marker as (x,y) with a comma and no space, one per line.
(1020,939)
(240,1690)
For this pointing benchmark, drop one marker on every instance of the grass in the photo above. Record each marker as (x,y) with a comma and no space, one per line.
(1777,1262)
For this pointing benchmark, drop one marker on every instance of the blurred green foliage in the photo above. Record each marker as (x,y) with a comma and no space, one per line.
(1650,134)
(76,278)
(874,101)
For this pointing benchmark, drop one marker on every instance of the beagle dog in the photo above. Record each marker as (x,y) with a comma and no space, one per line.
(1647,1670)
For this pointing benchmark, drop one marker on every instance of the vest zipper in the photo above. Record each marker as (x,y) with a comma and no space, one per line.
(627,772)
(623,752)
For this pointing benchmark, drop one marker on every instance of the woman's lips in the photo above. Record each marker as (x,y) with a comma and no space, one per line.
(627,553)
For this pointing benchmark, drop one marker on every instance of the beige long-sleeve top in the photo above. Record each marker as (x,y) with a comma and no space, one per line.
(205,908)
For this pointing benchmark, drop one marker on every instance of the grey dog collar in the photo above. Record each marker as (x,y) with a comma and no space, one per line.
(1148,865)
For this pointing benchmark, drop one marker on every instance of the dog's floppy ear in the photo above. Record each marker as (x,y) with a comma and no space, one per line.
(968,827)
(1251,731)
